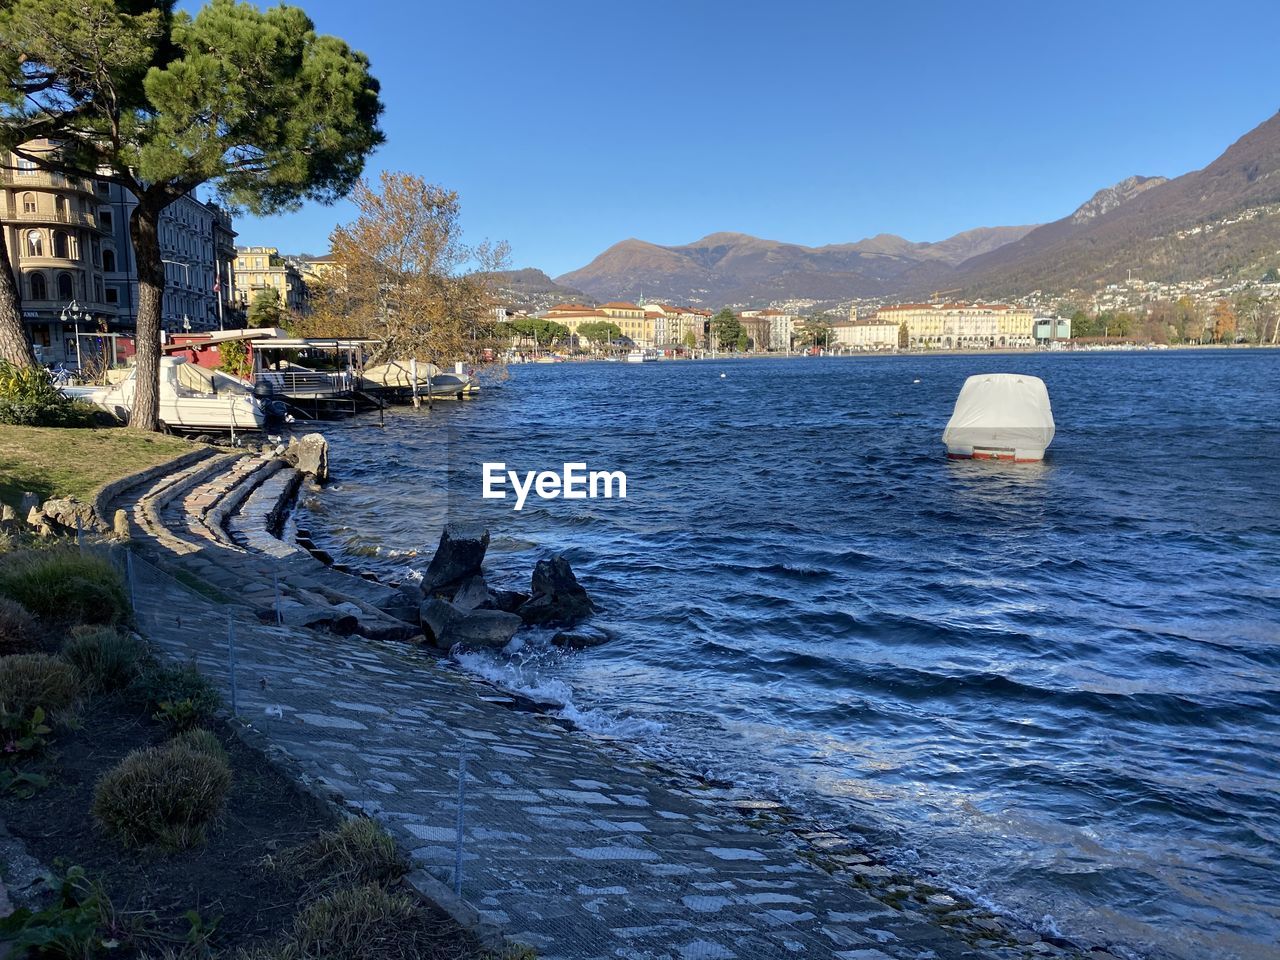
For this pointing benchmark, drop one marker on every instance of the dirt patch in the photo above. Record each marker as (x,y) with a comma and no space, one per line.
(221,880)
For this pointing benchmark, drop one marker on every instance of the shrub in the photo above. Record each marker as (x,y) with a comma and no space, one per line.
(64,586)
(357,852)
(105,658)
(28,397)
(203,741)
(31,680)
(180,696)
(364,923)
(162,796)
(19,631)
(69,926)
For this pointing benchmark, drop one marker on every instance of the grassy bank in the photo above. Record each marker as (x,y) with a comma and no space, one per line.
(55,462)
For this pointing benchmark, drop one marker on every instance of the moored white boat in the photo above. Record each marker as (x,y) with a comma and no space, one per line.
(1000,416)
(191,398)
(642,356)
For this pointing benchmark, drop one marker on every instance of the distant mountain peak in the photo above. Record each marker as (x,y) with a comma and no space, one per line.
(1107,199)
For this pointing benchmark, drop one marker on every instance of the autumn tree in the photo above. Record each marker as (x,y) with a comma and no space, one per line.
(255,103)
(1224,322)
(690,340)
(405,277)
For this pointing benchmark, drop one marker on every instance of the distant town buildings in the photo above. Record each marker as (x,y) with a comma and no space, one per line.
(647,326)
(961,326)
(865,335)
(263,268)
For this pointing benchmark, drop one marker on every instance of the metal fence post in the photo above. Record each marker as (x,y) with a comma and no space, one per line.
(128,572)
(231,655)
(275,586)
(461,821)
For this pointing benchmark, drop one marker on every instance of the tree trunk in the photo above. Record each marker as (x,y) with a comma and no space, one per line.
(144,230)
(14,346)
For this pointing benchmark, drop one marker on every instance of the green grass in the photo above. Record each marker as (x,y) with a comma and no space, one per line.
(56,462)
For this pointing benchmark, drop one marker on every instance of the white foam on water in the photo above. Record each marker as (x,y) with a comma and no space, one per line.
(519,678)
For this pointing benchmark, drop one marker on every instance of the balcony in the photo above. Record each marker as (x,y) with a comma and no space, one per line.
(44,178)
(69,217)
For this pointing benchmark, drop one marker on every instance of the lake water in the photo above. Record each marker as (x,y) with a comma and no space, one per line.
(1056,686)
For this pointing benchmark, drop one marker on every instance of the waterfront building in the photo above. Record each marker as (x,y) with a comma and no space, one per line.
(958,326)
(865,335)
(55,243)
(263,268)
(636,325)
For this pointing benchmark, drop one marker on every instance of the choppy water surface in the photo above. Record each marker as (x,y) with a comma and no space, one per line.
(1055,684)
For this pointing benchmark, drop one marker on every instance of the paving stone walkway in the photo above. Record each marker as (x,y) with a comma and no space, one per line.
(570,844)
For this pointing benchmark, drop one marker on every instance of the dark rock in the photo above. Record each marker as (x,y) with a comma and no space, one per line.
(474,594)
(508,600)
(557,595)
(435,615)
(459,556)
(581,637)
(483,628)
(445,624)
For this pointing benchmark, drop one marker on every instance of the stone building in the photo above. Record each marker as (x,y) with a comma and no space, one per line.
(865,335)
(69,247)
(962,326)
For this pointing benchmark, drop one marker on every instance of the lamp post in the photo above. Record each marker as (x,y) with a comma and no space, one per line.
(73,314)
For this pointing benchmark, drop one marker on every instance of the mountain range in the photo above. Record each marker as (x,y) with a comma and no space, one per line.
(1223,220)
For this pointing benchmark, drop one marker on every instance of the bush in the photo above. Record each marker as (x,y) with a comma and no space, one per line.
(364,923)
(162,796)
(19,631)
(105,658)
(29,398)
(358,852)
(180,696)
(31,680)
(203,741)
(64,586)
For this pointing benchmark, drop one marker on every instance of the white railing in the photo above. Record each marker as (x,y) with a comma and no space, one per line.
(305,383)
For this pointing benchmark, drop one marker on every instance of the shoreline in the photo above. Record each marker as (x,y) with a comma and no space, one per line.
(869,867)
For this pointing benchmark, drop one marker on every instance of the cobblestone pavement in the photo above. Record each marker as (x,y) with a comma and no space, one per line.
(570,844)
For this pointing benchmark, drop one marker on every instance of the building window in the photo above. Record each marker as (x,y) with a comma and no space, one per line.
(26,168)
(61,249)
(96,247)
(39,288)
(35,244)
(28,203)
(60,209)
(109,261)
(104,218)
(66,287)
(97,290)
(102,187)
(113,295)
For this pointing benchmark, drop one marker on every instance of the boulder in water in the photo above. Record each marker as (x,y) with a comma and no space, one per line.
(309,454)
(580,638)
(557,598)
(445,624)
(458,557)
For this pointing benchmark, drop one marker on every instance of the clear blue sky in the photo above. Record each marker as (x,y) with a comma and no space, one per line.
(567,126)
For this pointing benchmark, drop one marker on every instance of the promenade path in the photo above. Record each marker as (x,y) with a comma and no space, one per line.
(570,844)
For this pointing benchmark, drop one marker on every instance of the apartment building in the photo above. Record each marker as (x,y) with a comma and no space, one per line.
(71,254)
(263,268)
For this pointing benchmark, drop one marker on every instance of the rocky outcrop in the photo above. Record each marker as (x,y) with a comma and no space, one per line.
(580,638)
(309,454)
(457,558)
(446,625)
(557,597)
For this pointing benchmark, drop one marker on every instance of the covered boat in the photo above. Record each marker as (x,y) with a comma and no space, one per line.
(1000,416)
(191,398)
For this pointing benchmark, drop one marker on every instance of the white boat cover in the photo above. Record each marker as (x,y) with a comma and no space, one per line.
(1001,412)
